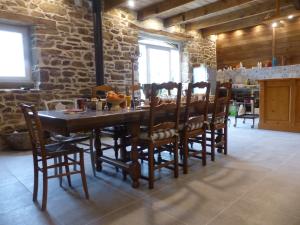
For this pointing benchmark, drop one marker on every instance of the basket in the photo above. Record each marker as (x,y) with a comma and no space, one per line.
(19,141)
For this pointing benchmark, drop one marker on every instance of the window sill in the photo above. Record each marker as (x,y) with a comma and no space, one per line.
(16,86)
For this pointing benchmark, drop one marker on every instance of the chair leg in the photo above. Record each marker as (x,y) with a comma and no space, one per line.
(212,145)
(60,170)
(92,156)
(219,139)
(116,149)
(225,140)
(45,187)
(123,155)
(176,157)
(55,169)
(75,159)
(67,170)
(203,152)
(151,166)
(185,154)
(83,177)
(36,180)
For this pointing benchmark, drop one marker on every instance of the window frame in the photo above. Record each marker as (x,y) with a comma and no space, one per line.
(24,30)
(149,46)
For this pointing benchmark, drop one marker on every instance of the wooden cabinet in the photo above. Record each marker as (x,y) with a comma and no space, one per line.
(280,104)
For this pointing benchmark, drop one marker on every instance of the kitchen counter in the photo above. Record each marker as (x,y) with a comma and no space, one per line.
(280,104)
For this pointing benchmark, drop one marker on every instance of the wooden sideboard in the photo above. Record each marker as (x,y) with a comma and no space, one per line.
(280,104)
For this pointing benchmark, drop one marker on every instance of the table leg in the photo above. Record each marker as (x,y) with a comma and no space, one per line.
(134,167)
(99,152)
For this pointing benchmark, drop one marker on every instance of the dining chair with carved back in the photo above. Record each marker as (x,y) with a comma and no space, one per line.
(218,122)
(44,153)
(194,123)
(160,132)
(75,138)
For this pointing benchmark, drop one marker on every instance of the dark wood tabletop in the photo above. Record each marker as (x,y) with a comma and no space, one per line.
(66,123)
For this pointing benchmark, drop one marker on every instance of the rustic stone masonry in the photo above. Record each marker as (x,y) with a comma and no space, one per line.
(63,53)
(120,45)
(195,52)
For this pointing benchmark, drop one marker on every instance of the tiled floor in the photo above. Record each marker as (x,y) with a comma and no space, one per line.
(258,183)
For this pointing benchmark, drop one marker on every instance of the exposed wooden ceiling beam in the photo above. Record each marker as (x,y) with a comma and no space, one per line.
(9,17)
(109,4)
(159,8)
(236,15)
(244,23)
(297,4)
(173,36)
(191,15)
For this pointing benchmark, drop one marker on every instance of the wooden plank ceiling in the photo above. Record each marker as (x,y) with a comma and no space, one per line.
(209,16)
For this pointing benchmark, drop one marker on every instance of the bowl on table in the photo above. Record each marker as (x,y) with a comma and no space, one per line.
(115,103)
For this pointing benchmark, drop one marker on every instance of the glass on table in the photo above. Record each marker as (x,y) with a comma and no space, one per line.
(81,104)
(128,101)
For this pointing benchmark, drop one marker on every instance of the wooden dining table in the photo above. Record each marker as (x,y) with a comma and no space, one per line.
(66,123)
(63,123)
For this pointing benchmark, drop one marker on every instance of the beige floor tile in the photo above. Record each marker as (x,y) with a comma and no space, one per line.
(30,215)
(73,208)
(249,213)
(138,213)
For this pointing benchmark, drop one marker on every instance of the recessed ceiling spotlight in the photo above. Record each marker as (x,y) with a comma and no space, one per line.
(131,3)
(290,17)
(275,24)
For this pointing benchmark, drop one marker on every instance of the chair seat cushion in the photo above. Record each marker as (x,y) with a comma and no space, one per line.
(218,121)
(159,135)
(60,149)
(73,138)
(191,126)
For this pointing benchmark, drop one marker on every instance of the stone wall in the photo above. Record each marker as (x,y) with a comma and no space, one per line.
(63,53)
(120,45)
(195,52)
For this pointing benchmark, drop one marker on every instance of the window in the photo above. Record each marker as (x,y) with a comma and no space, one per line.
(14,54)
(200,74)
(159,61)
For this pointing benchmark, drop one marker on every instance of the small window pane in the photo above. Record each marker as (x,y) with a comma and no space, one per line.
(159,62)
(143,65)
(12,62)
(175,66)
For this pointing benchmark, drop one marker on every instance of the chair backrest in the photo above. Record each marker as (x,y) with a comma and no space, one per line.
(35,129)
(102,89)
(196,109)
(61,104)
(171,108)
(221,102)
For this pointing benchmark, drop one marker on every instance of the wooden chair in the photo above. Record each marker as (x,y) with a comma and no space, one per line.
(101,90)
(160,133)
(218,128)
(81,139)
(194,126)
(43,153)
